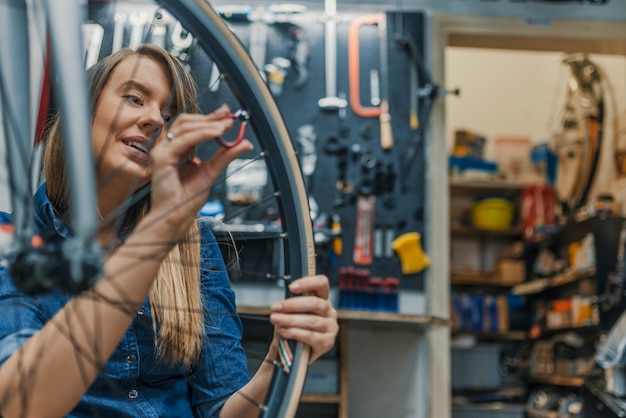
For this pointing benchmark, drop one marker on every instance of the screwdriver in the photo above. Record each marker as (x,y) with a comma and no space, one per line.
(336,229)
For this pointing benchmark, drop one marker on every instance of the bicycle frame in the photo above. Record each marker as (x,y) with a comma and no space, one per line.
(63,20)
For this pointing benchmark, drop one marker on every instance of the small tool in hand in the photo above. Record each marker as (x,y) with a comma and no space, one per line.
(243,117)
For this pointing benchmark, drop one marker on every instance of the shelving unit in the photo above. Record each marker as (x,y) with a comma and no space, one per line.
(462,195)
(476,279)
(574,382)
(494,336)
(483,361)
(538,286)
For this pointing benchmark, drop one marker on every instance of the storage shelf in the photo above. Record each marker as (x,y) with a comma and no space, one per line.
(364,317)
(478,187)
(458,231)
(476,279)
(494,336)
(540,285)
(577,329)
(388,319)
(558,380)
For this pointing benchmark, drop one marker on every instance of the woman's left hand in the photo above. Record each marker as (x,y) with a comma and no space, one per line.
(309,319)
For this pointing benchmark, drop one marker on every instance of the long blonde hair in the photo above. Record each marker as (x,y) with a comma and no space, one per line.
(175,299)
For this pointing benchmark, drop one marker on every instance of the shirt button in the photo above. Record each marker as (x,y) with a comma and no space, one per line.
(132,394)
(141,310)
(131,358)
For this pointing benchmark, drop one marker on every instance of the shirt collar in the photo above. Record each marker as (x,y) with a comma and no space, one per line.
(46,217)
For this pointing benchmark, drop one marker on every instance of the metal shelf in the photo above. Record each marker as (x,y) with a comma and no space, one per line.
(537,286)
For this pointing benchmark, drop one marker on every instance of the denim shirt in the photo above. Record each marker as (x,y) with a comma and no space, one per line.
(133,382)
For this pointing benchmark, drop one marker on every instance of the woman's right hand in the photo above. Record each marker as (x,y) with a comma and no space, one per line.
(180,184)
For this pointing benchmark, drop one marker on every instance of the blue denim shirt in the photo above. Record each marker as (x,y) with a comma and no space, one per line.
(133,382)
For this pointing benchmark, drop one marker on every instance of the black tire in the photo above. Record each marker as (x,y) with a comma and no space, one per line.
(216,38)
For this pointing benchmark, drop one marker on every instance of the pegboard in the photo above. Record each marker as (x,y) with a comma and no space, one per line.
(347,146)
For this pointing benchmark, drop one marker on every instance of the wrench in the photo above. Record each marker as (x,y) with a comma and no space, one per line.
(138,21)
(92,36)
(118,31)
(181,41)
(331,101)
(308,161)
(159,29)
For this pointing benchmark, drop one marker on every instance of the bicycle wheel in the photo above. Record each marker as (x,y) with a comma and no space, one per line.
(212,45)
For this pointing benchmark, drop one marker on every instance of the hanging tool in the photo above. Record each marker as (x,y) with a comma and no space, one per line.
(388,241)
(378,241)
(276,73)
(428,93)
(92,36)
(300,56)
(158,29)
(413,70)
(409,249)
(331,101)
(381,112)
(235,12)
(386,134)
(374,87)
(181,42)
(308,161)
(214,78)
(363,242)
(298,52)
(138,21)
(118,31)
(336,230)
(258,45)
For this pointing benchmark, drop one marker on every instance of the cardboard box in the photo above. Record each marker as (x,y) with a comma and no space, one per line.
(509,271)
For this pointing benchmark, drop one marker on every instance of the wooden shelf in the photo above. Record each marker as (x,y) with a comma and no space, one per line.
(387,318)
(547,332)
(540,285)
(558,380)
(494,336)
(476,279)
(480,187)
(458,231)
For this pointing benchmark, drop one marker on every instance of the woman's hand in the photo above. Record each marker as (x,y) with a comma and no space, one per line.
(180,183)
(309,319)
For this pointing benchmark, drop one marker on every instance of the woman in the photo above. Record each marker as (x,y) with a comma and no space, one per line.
(117,348)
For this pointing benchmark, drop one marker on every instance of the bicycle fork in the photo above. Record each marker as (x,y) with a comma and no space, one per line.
(79,259)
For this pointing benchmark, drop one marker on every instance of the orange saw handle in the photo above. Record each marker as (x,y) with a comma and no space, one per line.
(353,65)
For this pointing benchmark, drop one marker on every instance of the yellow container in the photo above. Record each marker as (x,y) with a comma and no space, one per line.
(493,213)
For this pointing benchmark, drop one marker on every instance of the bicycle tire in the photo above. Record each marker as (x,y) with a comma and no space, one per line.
(199,18)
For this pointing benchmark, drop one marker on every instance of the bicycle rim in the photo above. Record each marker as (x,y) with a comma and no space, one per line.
(199,18)
(249,89)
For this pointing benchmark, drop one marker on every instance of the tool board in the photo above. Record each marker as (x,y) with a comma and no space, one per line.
(350,162)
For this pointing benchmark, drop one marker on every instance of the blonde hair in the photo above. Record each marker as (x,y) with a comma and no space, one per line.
(175,299)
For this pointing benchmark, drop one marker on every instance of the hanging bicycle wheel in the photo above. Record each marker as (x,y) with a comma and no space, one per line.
(578,143)
(224,72)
